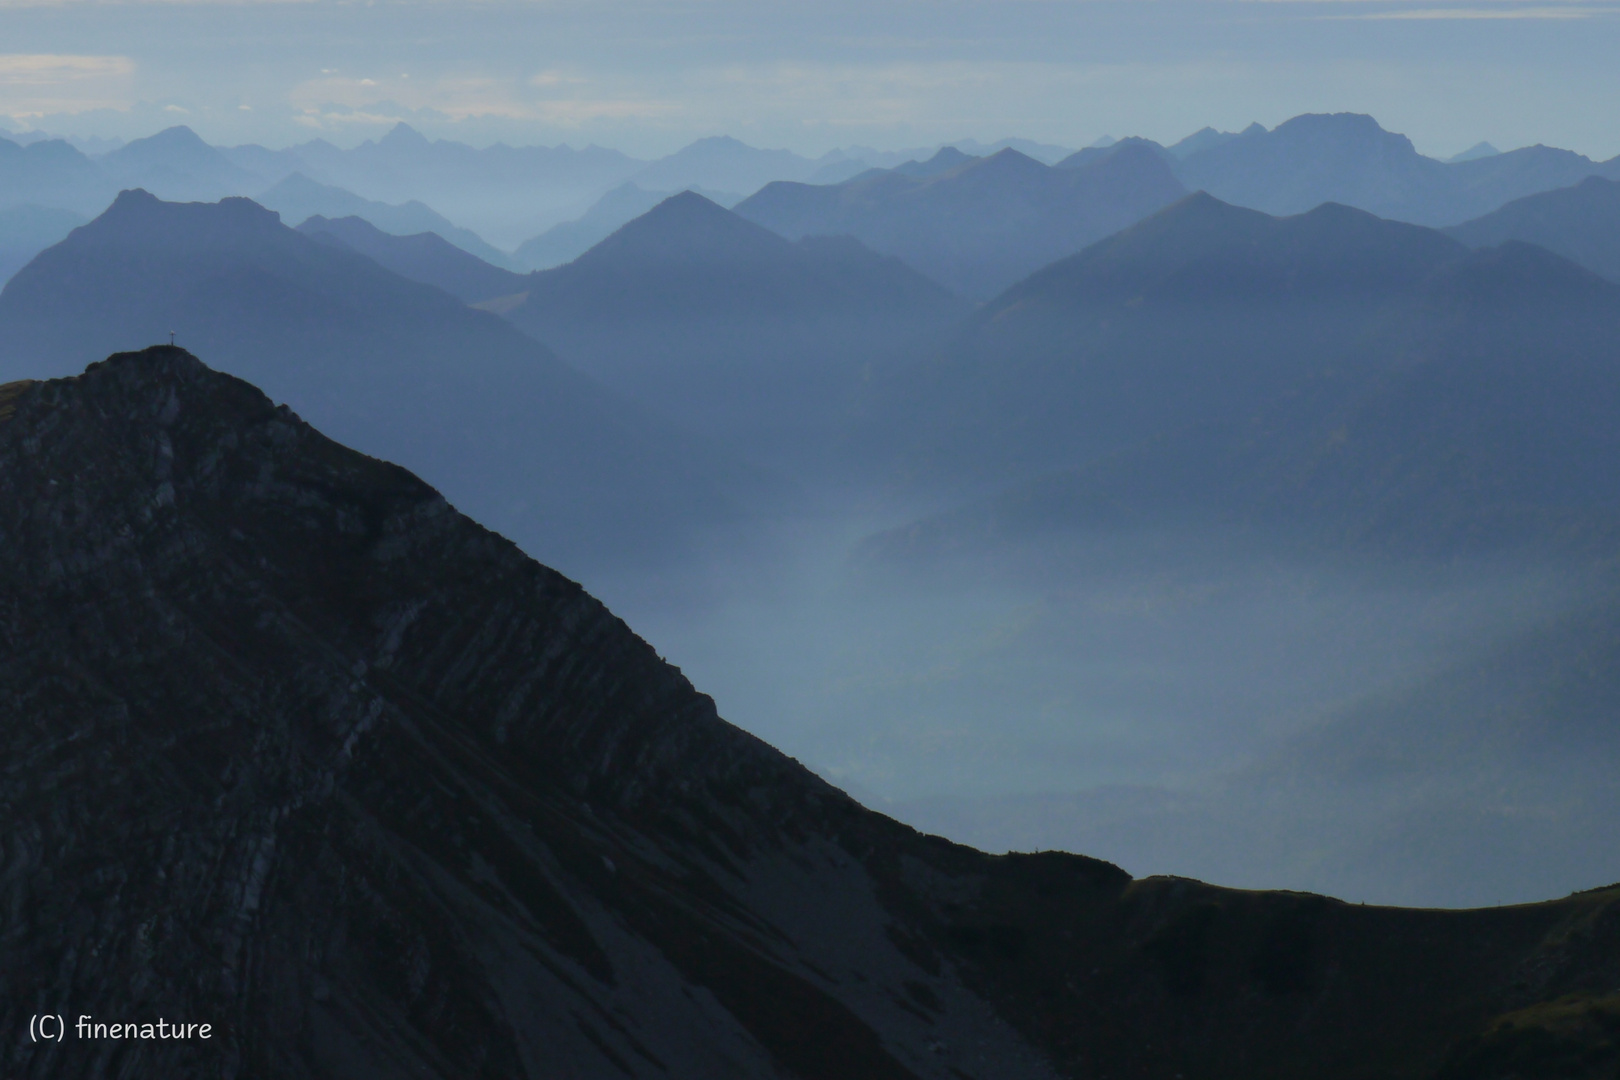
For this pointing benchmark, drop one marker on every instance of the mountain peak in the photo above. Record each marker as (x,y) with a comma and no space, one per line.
(1213,248)
(684,228)
(1474,153)
(1340,128)
(178,135)
(944,160)
(403,136)
(715,142)
(140,205)
(178,143)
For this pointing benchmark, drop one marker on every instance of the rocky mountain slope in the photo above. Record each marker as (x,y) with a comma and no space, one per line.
(294,749)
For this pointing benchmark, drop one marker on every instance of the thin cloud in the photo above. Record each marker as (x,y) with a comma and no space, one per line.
(344,102)
(52,69)
(34,85)
(1561,13)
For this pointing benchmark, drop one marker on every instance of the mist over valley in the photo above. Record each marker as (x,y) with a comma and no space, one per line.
(600,603)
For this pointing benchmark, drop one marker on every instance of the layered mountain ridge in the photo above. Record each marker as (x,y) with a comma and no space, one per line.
(397,368)
(979,225)
(728,328)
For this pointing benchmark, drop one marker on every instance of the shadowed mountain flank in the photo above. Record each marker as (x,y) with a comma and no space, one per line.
(1200,312)
(297,198)
(27,230)
(1483,427)
(426,257)
(377,796)
(1581,223)
(728,328)
(977,225)
(399,369)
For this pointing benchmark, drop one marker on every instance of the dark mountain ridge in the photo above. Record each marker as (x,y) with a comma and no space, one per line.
(377,796)
(398,368)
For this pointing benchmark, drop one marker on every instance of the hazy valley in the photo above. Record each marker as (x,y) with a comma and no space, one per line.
(1242,509)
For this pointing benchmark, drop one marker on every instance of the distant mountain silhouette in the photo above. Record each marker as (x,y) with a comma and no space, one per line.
(1203,139)
(502,192)
(1347,158)
(946,159)
(297,198)
(729,328)
(176,164)
(982,225)
(51,173)
(27,230)
(568,240)
(1201,310)
(547,456)
(722,163)
(1046,153)
(1581,223)
(425,257)
(1475,152)
(1092,154)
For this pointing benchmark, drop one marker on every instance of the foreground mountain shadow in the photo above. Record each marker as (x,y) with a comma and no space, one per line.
(294,749)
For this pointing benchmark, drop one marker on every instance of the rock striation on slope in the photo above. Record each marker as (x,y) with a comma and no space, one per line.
(289,747)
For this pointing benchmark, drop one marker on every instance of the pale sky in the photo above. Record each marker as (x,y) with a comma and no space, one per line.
(647,76)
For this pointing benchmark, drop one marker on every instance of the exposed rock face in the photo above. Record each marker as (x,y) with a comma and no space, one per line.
(289,747)
(295,749)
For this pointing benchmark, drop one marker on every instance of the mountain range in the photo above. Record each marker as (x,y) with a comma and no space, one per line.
(401,369)
(756,340)
(568,240)
(1193,315)
(372,794)
(175,164)
(52,174)
(1247,413)
(975,225)
(425,257)
(297,198)
(1363,381)
(1348,158)
(513,195)
(1581,223)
